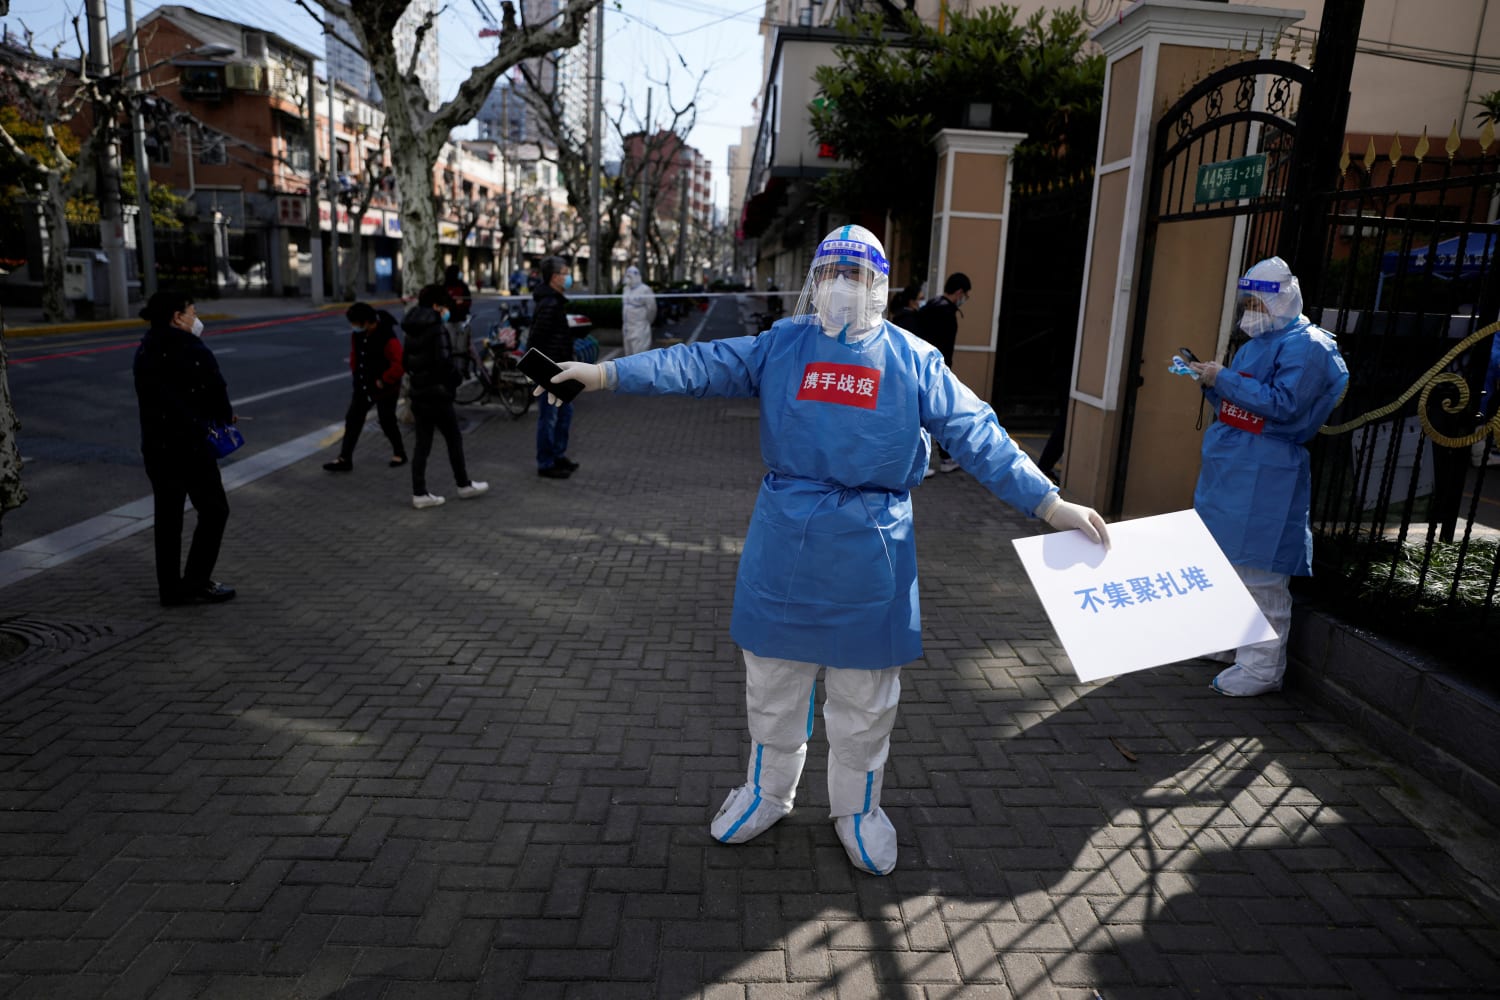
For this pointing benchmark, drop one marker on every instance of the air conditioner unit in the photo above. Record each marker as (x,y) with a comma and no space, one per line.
(245,76)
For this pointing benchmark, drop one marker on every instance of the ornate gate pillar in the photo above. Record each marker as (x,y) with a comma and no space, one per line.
(971,208)
(1153,53)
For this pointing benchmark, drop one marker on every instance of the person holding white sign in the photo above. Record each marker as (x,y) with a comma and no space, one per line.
(849,404)
(1255,485)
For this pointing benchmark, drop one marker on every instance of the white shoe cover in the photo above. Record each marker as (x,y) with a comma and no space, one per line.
(869,840)
(745,815)
(1237,682)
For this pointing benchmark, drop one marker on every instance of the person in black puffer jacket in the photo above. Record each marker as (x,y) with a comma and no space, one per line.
(551,336)
(375,361)
(428,359)
(181,392)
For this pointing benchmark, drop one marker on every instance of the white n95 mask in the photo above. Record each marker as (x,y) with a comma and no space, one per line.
(197,327)
(1256,323)
(839,305)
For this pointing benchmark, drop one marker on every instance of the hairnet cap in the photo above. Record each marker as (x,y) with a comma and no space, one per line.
(1272,282)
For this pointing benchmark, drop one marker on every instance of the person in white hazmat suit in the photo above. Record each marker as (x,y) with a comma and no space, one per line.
(849,405)
(639,309)
(1255,483)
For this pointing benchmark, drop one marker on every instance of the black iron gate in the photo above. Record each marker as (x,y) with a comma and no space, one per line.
(1402,253)
(1406,501)
(1241,117)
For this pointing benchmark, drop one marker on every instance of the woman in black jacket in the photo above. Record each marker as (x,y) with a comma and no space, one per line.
(181,392)
(428,359)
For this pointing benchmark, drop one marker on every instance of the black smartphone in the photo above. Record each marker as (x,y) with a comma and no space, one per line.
(542,370)
(1186,355)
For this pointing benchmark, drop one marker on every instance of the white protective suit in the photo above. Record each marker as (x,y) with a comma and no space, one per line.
(639,311)
(827,582)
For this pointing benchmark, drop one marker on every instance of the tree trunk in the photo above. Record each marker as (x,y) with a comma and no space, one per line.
(354,263)
(12,493)
(55,305)
(419,229)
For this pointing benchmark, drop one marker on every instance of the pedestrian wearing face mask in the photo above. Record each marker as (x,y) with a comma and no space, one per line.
(180,392)
(849,404)
(551,336)
(639,308)
(937,323)
(1255,485)
(428,358)
(375,362)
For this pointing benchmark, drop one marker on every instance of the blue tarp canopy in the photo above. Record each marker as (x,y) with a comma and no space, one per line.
(1468,260)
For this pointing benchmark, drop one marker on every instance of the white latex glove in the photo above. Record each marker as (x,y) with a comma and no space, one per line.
(592,377)
(1208,371)
(1066,516)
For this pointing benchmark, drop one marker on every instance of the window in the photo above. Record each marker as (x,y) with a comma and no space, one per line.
(341,156)
(210,148)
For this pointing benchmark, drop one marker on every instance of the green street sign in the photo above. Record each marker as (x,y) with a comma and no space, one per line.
(1229,180)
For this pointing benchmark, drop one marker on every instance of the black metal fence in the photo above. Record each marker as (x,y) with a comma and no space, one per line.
(1407,491)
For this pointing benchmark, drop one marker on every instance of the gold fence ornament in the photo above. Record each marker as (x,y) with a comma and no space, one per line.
(1486,136)
(1453,140)
(1396,151)
(1420,149)
(1433,378)
(1370,157)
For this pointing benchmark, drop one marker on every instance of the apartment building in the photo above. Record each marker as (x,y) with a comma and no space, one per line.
(229,130)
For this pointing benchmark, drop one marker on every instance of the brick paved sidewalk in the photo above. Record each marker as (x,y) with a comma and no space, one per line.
(473,752)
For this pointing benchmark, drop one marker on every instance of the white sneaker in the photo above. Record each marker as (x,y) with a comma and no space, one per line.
(1237,682)
(947,465)
(474,489)
(929,473)
(869,840)
(426,500)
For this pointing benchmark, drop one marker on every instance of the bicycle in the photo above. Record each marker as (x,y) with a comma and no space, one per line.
(490,371)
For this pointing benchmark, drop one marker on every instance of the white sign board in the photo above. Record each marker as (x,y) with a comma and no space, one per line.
(1163,592)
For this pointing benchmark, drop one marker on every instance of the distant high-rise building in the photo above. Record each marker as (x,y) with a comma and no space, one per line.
(349,66)
(565,73)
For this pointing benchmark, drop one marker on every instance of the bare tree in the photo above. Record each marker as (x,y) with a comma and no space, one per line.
(621,196)
(52,92)
(417,132)
(357,200)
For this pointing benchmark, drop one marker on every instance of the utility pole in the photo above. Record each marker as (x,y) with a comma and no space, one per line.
(111,223)
(314,221)
(146,226)
(333,202)
(596,149)
(680,272)
(643,232)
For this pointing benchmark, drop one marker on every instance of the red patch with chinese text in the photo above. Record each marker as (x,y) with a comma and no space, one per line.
(1236,416)
(849,385)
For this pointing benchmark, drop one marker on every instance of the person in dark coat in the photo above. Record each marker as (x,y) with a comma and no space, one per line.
(428,358)
(937,323)
(903,309)
(375,361)
(180,392)
(550,335)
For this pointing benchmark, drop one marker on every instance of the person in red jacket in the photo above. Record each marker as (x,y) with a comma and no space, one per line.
(375,361)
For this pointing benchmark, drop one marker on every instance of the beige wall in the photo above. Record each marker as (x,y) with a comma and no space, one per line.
(1189,278)
(1099,285)
(1119,127)
(1390,94)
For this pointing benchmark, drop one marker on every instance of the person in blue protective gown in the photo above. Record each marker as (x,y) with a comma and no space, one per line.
(849,405)
(1255,485)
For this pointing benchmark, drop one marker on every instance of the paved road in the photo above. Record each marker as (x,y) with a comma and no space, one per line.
(473,752)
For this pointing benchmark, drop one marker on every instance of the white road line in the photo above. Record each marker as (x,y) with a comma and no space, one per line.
(237,403)
(65,544)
